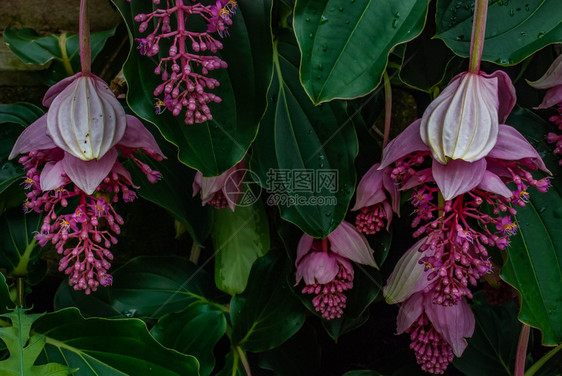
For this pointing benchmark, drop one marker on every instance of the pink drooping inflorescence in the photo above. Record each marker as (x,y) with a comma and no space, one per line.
(190,57)
(325,267)
(82,235)
(556,138)
(458,231)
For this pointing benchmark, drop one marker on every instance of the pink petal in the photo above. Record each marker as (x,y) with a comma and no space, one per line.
(52,176)
(119,169)
(506,94)
(34,137)
(492,183)
(454,323)
(512,146)
(233,188)
(405,143)
(87,175)
(392,188)
(304,246)
(408,276)
(317,267)
(551,98)
(137,136)
(369,190)
(57,88)
(409,312)
(458,177)
(552,77)
(414,181)
(347,242)
(196,186)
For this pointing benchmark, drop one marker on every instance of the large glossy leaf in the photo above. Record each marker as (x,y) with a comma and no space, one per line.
(19,251)
(25,347)
(194,331)
(173,191)
(108,347)
(61,49)
(19,113)
(217,145)
(345,44)
(267,313)
(515,29)
(492,348)
(534,264)
(144,287)
(239,238)
(304,154)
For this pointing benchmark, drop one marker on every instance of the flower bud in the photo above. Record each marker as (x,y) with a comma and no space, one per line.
(462,122)
(85,119)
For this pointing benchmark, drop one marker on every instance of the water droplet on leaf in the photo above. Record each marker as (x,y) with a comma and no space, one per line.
(323,19)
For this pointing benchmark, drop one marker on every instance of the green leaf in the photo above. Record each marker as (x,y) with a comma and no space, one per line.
(304,154)
(62,49)
(299,356)
(515,29)
(171,192)
(492,348)
(239,238)
(6,303)
(267,313)
(345,45)
(24,347)
(144,287)
(233,366)
(195,331)
(425,62)
(21,113)
(217,145)
(534,264)
(108,347)
(19,250)
(366,288)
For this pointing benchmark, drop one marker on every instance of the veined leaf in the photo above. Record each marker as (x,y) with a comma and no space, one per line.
(515,29)
(345,44)
(304,154)
(239,238)
(62,50)
(108,347)
(534,263)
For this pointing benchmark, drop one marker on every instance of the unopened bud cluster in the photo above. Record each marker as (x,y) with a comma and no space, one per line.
(190,57)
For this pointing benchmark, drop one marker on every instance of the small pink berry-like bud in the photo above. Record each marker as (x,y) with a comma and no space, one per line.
(195,46)
(175,68)
(154,50)
(143,26)
(203,46)
(140,17)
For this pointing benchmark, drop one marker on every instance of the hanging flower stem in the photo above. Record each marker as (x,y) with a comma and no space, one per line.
(522,350)
(478,34)
(84,36)
(387,108)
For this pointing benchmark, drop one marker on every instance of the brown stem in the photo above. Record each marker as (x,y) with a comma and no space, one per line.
(522,350)
(20,283)
(84,36)
(478,34)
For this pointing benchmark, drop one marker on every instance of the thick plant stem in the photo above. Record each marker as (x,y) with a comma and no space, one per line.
(244,361)
(387,108)
(522,350)
(20,284)
(478,34)
(84,35)
(539,363)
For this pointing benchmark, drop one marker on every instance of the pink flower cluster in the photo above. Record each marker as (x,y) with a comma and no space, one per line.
(184,71)
(58,181)
(325,266)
